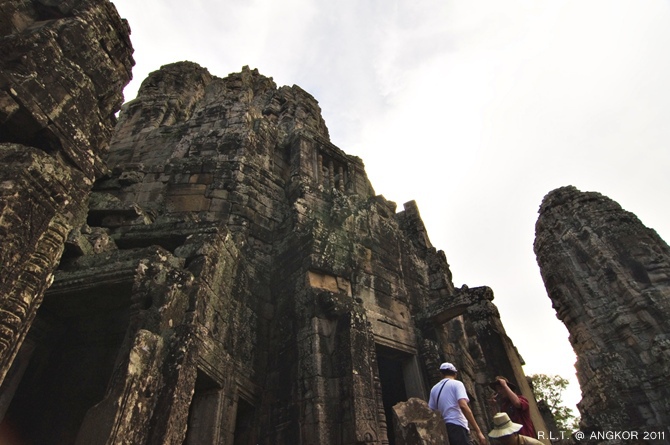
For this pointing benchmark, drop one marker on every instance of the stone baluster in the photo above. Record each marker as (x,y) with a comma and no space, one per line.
(340,182)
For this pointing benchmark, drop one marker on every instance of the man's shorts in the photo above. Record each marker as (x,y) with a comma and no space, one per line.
(458,435)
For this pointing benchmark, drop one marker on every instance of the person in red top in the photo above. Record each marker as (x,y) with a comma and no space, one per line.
(516,406)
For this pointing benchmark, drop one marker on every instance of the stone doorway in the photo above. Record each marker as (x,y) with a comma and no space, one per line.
(204,417)
(210,419)
(64,365)
(400,379)
(244,423)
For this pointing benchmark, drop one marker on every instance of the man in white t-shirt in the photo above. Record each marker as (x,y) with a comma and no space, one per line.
(450,399)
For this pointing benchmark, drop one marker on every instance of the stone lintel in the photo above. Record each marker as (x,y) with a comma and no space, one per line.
(446,309)
(104,271)
(406,345)
(167,233)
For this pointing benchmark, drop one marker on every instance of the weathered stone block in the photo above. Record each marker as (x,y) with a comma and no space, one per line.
(416,424)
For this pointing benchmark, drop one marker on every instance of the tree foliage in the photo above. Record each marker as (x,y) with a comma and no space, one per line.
(550,389)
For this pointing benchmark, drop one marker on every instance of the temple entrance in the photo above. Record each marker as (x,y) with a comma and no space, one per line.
(205,412)
(243,423)
(208,414)
(392,378)
(64,365)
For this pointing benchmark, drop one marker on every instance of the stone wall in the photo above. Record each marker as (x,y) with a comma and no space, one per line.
(608,277)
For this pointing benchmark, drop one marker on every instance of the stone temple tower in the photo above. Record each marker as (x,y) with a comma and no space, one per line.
(215,271)
(608,277)
(238,281)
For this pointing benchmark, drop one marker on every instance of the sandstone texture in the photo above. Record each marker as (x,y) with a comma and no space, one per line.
(608,277)
(63,66)
(417,424)
(237,280)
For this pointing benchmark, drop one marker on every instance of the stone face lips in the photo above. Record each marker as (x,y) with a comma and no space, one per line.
(608,277)
(63,66)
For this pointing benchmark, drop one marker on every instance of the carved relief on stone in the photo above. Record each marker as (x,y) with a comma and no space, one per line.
(56,120)
(608,278)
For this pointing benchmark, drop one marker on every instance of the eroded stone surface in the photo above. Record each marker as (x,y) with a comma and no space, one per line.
(608,277)
(416,424)
(63,66)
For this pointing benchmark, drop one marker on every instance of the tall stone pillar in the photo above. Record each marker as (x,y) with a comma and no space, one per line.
(608,277)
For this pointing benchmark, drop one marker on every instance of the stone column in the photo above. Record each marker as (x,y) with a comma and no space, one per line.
(608,277)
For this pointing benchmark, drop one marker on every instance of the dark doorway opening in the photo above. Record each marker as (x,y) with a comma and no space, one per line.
(392,378)
(64,365)
(204,414)
(244,423)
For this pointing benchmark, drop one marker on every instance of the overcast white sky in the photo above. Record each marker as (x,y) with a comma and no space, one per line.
(475,109)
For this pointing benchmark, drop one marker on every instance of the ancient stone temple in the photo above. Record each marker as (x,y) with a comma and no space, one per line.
(608,277)
(225,274)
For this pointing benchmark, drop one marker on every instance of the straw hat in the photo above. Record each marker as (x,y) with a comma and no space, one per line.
(503,426)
